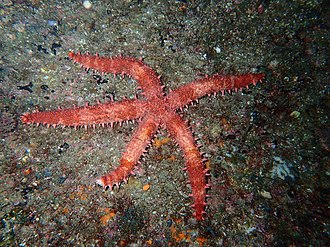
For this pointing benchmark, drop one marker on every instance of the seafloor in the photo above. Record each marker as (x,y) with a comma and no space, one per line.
(267,146)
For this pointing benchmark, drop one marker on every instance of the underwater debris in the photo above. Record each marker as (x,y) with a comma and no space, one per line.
(281,169)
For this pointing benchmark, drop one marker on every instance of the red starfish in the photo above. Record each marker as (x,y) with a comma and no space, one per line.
(155,109)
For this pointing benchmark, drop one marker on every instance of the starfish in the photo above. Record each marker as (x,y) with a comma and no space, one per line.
(154,110)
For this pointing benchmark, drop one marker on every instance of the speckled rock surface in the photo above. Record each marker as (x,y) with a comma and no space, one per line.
(268,146)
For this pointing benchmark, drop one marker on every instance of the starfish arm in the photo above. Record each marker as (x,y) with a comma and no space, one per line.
(208,85)
(146,77)
(89,115)
(194,163)
(134,150)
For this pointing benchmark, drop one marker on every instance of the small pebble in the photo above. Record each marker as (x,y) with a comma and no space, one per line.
(295,114)
(87,4)
(52,22)
(266,194)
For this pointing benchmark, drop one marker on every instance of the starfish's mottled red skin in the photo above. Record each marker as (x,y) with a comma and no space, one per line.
(155,109)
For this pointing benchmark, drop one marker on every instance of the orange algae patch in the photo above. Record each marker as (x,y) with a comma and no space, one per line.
(65,210)
(159,142)
(107,217)
(82,196)
(122,243)
(225,124)
(172,158)
(158,157)
(27,171)
(185,236)
(146,187)
(71,196)
(201,241)
(208,164)
(149,242)
(80,193)
(179,236)
(221,143)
